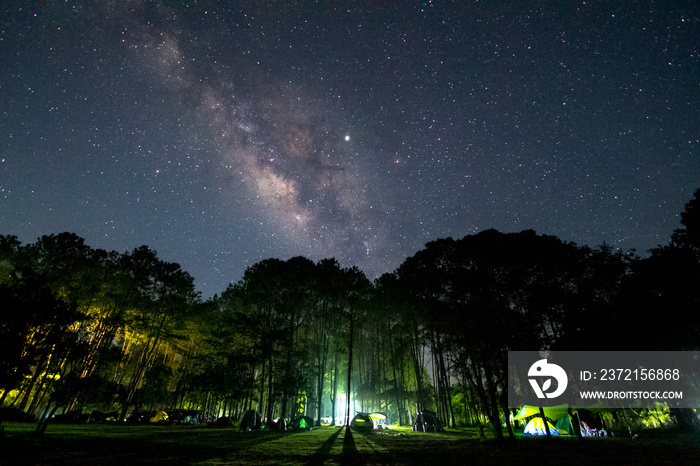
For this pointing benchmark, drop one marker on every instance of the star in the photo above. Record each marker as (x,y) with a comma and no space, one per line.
(589,136)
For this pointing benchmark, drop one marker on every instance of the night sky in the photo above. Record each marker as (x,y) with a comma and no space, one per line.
(225,133)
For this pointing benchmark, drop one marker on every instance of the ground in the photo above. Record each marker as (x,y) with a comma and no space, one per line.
(175,445)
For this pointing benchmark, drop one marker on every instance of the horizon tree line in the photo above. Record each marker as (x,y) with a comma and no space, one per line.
(85,329)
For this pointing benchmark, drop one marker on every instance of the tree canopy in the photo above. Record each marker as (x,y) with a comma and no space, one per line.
(84,329)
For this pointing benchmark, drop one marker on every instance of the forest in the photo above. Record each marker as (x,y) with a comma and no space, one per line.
(85,330)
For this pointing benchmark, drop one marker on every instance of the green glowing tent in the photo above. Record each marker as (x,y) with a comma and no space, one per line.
(552,412)
(559,414)
(302,423)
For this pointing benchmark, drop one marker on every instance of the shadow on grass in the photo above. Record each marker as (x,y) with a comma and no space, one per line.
(123,445)
(350,455)
(324,452)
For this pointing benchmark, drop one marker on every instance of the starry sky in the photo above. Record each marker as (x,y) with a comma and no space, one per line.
(224,133)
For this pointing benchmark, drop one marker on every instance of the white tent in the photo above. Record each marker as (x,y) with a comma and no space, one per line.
(536,427)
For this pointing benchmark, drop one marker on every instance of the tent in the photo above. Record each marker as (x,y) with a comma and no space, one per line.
(427,421)
(379,420)
(250,420)
(223,421)
(536,427)
(138,416)
(278,424)
(559,414)
(302,423)
(362,421)
(552,412)
(99,416)
(564,423)
(184,416)
(160,416)
(15,415)
(589,423)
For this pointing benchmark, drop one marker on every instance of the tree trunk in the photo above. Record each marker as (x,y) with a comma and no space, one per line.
(417,365)
(44,420)
(348,397)
(486,395)
(577,429)
(262,386)
(32,383)
(450,414)
(546,424)
(323,359)
(268,411)
(506,413)
(334,387)
(399,406)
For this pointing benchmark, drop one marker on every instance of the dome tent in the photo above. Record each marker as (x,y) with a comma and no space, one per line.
(302,423)
(427,421)
(536,427)
(362,421)
(250,420)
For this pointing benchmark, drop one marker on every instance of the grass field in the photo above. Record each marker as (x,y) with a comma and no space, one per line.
(175,445)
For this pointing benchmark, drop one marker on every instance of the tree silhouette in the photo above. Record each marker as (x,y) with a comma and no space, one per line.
(83,328)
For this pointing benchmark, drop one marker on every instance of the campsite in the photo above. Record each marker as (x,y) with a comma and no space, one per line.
(108,444)
(363,232)
(273,370)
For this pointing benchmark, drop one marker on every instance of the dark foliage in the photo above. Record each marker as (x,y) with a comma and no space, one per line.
(85,330)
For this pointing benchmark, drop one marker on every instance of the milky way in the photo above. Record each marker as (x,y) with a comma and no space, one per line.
(221,135)
(272,150)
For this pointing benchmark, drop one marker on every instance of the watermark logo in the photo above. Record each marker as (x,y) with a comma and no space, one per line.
(604,379)
(542,368)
